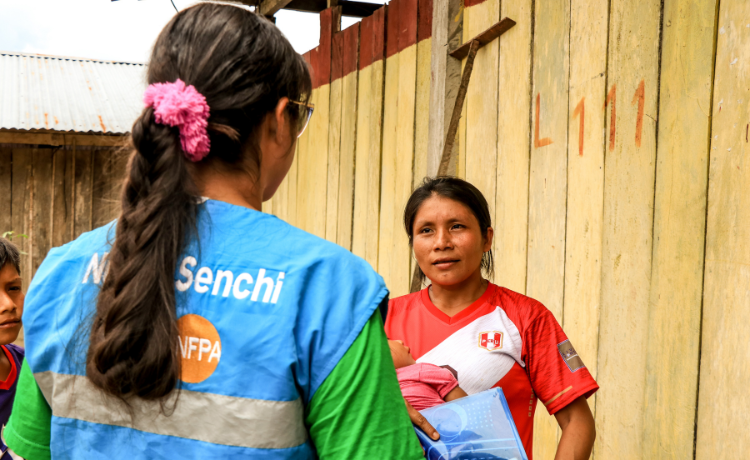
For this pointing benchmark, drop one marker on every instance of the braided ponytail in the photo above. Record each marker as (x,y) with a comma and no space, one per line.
(242,65)
(134,337)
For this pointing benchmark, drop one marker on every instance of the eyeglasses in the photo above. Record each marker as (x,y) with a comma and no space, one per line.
(305,112)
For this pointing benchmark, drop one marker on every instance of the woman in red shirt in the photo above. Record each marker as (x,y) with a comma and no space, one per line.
(490,335)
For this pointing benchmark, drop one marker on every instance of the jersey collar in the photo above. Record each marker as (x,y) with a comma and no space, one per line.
(465,313)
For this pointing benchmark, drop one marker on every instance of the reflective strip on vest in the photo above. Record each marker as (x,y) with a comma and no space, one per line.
(218,419)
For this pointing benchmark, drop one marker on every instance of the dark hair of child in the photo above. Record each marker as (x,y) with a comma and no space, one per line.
(454,189)
(243,66)
(9,254)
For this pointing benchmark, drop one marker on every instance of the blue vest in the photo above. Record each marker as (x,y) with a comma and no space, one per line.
(265,313)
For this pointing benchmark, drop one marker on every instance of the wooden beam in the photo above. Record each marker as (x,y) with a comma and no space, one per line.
(21,137)
(59,139)
(348,8)
(270,7)
(484,38)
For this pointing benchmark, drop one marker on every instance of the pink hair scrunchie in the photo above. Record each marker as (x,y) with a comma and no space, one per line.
(180,105)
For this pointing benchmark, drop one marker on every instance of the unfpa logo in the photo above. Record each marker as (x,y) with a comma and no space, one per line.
(491,340)
(200,346)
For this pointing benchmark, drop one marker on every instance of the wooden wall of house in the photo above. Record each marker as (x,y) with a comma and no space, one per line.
(52,194)
(610,140)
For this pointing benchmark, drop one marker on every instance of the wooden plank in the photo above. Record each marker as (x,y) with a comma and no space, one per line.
(63,197)
(26,137)
(367,170)
(84,185)
(301,189)
(459,149)
(445,76)
(583,245)
(679,227)
(6,187)
(101,206)
(22,208)
(348,136)
(424,60)
(548,181)
(421,128)
(315,190)
(627,231)
(390,146)
(58,139)
(407,92)
(41,213)
(120,158)
(374,169)
(334,137)
(362,173)
(723,402)
(312,194)
(482,103)
(512,186)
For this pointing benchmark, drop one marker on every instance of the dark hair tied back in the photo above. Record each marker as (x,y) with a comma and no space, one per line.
(243,65)
(454,189)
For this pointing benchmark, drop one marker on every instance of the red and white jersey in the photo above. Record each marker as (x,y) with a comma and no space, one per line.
(505,340)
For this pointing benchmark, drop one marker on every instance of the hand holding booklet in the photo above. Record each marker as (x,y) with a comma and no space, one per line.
(477,427)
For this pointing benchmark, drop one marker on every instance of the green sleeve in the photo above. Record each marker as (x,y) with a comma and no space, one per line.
(28,430)
(358,412)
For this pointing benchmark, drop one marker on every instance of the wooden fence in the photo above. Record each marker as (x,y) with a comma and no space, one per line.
(610,139)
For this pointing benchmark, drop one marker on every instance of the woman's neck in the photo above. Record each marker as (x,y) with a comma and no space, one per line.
(453,299)
(231,187)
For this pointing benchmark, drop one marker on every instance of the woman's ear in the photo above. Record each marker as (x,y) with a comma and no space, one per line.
(282,122)
(488,239)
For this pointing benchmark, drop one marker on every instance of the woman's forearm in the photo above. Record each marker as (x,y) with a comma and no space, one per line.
(578,431)
(576,442)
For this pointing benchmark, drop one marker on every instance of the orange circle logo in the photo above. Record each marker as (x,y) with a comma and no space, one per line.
(200,346)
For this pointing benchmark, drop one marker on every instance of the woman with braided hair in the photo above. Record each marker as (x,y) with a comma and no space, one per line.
(195,326)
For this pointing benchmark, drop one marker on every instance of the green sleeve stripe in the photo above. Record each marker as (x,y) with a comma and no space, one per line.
(358,412)
(28,430)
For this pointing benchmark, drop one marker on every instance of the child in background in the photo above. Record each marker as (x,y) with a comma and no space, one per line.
(11,308)
(423,385)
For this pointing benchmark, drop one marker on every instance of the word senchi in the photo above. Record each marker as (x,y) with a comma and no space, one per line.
(204,280)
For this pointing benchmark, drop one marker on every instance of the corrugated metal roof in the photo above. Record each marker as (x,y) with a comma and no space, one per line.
(69,94)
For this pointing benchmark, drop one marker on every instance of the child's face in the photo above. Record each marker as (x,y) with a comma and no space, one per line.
(401,354)
(11,304)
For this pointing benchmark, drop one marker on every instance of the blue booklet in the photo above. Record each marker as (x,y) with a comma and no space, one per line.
(477,427)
